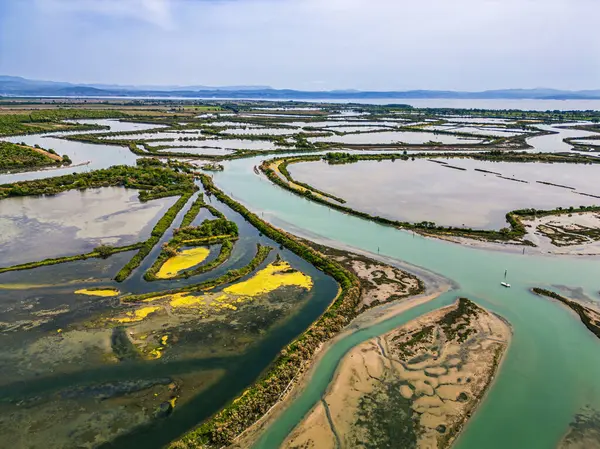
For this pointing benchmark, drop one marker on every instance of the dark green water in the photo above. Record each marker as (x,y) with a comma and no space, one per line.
(34,380)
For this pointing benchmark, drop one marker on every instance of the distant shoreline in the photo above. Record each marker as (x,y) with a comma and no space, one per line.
(425,103)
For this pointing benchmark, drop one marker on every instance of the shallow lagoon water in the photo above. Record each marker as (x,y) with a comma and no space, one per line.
(202,148)
(553,143)
(484,120)
(74,222)
(352,129)
(423,190)
(70,367)
(343,123)
(541,384)
(85,156)
(289,109)
(68,358)
(482,131)
(241,144)
(591,140)
(552,367)
(235,124)
(255,115)
(387,122)
(163,135)
(222,143)
(117,125)
(392,137)
(260,131)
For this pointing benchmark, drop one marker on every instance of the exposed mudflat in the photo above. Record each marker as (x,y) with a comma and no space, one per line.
(413,387)
(577,233)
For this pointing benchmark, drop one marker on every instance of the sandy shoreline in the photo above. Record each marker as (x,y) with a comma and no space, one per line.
(431,279)
(374,362)
(369,318)
(491,383)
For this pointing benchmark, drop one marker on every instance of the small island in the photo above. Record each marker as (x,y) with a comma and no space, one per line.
(413,387)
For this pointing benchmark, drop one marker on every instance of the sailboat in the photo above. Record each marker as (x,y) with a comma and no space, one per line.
(504,283)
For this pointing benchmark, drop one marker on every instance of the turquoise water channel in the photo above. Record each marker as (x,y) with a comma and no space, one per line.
(553,365)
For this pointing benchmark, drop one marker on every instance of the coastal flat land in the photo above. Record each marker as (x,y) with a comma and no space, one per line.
(414,387)
(205,315)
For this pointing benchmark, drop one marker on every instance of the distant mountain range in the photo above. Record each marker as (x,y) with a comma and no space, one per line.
(15,86)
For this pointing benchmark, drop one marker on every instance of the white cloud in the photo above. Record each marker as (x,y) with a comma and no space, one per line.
(157,12)
(361,44)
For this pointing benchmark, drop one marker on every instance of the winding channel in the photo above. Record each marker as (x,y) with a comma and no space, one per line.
(552,367)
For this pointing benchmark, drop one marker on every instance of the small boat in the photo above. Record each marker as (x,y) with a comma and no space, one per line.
(504,283)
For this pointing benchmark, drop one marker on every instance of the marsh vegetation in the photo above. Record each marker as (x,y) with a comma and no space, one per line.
(237,309)
(91,322)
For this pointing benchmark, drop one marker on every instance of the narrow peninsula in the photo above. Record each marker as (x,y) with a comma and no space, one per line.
(413,387)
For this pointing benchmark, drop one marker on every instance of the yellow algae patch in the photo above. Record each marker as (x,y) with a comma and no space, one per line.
(270,278)
(185,300)
(137,315)
(163,340)
(158,298)
(155,353)
(179,299)
(98,292)
(24,286)
(183,260)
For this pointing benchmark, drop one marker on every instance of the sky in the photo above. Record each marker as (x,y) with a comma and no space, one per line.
(305,44)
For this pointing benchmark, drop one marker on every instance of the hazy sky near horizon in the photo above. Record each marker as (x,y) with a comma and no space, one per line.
(305,44)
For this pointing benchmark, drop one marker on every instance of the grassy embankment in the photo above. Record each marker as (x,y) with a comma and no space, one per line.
(45,120)
(491,156)
(101,252)
(241,413)
(584,143)
(210,232)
